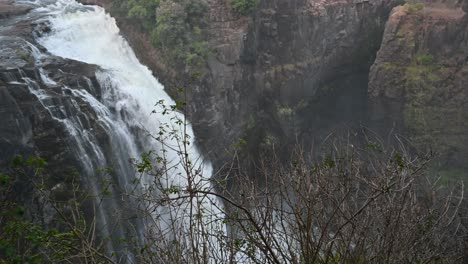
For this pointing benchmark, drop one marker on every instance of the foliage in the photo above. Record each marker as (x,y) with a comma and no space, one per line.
(285,112)
(424,59)
(369,204)
(178,32)
(142,11)
(173,26)
(412,7)
(24,236)
(244,7)
(197,53)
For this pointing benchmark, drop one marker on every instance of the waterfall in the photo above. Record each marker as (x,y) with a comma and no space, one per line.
(132,112)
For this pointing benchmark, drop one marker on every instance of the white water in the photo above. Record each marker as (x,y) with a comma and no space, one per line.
(129,97)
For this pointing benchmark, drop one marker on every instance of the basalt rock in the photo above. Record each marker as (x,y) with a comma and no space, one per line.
(28,126)
(283,73)
(418,80)
(299,70)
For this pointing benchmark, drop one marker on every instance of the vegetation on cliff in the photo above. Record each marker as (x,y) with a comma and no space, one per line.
(41,222)
(177,27)
(173,26)
(412,7)
(244,7)
(420,72)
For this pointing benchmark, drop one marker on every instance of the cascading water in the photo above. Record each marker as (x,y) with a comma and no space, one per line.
(132,106)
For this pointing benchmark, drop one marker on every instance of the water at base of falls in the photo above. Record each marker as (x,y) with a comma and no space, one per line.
(132,106)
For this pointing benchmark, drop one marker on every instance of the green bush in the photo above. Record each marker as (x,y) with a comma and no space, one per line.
(244,7)
(177,31)
(173,26)
(197,53)
(414,6)
(170,30)
(424,59)
(141,11)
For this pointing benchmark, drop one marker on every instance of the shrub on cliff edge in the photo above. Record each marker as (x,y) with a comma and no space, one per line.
(244,7)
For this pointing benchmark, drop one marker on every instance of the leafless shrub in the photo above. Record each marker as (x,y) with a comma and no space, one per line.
(356,205)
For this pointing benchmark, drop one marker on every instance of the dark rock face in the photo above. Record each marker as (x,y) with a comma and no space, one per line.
(296,70)
(16,132)
(274,76)
(28,126)
(464,5)
(310,62)
(419,79)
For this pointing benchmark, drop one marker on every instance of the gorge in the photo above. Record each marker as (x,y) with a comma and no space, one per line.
(73,91)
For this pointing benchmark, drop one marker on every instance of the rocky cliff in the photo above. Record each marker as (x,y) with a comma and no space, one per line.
(53,108)
(419,79)
(284,73)
(297,70)
(27,126)
(36,103)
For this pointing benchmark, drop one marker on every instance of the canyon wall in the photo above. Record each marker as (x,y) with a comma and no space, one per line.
(290,71)
(27,126)
(295,71)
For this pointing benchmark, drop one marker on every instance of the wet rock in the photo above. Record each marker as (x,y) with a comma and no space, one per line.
(42,29)
(8,8)
(26,84)
(16,131)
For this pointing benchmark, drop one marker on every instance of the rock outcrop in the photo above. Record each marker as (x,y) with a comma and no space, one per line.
(419,79)
(28,127)
(8,9)
(53,108)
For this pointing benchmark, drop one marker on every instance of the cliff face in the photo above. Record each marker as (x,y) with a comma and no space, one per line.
(286,72)
(309,62)
(55,108)
(29,127)
(419,79)
(296,70)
